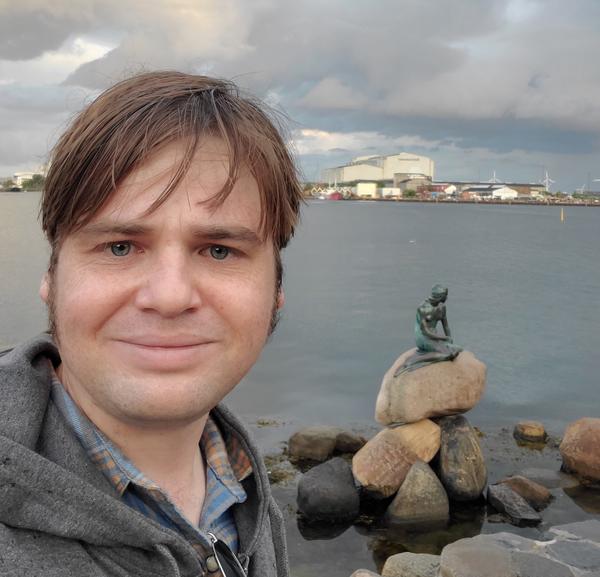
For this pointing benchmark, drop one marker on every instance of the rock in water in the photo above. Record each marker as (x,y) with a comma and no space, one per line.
(364,573)
(530,432)
(435,390)
(462,468)
(411,565)
(420,499)
(580,448)
(382,464)
(315,443)
(511,504)
(535,494)
(570,550)
(347,442)
(475,558)
(327,492)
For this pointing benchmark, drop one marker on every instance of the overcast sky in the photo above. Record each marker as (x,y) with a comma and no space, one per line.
(477,85)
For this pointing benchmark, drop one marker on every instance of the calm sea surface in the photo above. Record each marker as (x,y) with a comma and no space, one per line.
(524,297)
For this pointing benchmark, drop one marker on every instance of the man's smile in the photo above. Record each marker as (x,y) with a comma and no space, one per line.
(162,355)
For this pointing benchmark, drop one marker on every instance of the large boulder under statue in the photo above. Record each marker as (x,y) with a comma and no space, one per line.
(434,390)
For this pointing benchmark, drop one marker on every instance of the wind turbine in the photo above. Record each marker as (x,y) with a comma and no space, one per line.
(547,181)
(494,180)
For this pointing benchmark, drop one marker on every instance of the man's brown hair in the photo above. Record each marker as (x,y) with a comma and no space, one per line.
(136,118)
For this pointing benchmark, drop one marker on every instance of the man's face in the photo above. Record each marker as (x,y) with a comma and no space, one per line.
(160,315)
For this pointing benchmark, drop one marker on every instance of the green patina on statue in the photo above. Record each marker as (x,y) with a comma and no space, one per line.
(432,347)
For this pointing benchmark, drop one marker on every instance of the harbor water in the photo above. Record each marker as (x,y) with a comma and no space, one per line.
(524,288)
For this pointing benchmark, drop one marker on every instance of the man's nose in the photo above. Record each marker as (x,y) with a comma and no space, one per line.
(169,286)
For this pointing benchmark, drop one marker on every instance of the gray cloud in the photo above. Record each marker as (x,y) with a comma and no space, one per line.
(502,75)
(28,28)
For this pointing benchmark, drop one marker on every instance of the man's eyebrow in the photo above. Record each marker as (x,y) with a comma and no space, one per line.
(210,233)
(114,228)
(233,233)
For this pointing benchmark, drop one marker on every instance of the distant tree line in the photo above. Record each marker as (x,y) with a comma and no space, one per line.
(36,182)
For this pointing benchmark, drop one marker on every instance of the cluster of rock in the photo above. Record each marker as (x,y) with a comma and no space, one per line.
(571,550)
(420,410)
(427,456)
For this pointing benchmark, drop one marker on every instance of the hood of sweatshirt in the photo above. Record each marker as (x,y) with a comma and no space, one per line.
(49,485)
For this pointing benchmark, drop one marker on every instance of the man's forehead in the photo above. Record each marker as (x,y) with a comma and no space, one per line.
(201,184)
(210,162)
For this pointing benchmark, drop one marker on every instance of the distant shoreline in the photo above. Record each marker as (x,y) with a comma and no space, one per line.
(582,203)
(479,202)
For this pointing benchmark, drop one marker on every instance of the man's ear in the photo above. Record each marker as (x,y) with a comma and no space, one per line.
(45,287)
(280,299)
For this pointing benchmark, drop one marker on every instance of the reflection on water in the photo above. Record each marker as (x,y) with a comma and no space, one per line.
(465,521)
(587,498)
(321,531)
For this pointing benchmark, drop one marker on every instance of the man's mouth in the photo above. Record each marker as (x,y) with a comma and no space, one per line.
(176,342)
(162,354)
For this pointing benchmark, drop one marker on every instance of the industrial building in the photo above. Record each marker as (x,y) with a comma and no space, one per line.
(392,170)
(393,175)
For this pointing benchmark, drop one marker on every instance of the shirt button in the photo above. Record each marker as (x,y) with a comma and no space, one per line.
(211,564)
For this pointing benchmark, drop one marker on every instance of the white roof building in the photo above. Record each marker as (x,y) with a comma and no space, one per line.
(505,193)
(373,168)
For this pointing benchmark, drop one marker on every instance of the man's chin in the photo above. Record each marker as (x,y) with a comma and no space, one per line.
(149,408)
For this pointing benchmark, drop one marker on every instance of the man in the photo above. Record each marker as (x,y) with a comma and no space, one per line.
(166,207)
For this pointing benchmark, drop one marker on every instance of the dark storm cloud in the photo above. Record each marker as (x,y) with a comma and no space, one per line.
(500,135)
(28,28)
(27,42)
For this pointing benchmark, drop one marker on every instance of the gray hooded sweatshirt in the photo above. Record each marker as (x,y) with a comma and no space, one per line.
(60,516)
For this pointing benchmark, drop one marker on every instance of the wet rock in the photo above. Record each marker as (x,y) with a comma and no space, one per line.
(580,448)
(327,492)
(530,432)
(421,498)
(364,573)
(436,390)
(475,558)
(586,530)
(462,467)
(582,555)
(411,565)
(315,443)
(571,550)
(511,504)
(535,494)
(531,565)
(347,442)
(382,464)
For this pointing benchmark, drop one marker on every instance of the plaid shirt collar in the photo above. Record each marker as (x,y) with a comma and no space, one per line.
(227,465)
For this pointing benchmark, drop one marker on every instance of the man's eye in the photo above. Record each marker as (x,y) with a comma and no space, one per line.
(219,252)
(121,248)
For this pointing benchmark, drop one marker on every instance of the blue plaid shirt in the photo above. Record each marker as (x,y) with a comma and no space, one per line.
(227,465)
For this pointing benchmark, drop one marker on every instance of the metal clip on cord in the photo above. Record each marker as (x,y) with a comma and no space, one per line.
(227,561)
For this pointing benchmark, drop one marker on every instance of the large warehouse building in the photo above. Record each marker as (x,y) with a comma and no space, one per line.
(392,168)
